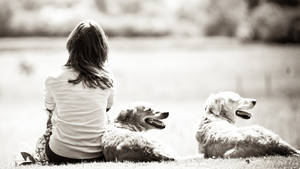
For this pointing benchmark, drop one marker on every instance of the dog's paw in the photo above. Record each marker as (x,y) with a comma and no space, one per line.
(229,153)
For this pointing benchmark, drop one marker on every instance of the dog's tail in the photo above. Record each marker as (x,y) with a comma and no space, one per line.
(287,150)
(160,153)
(166,158)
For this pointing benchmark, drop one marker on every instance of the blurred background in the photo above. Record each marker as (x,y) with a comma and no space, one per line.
(171,53)
(246,19)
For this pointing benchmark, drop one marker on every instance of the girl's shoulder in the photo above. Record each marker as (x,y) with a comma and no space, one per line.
(60,75)
(49,82)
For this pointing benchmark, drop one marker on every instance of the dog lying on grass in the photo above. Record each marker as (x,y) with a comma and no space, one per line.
(124,139)
(219,137)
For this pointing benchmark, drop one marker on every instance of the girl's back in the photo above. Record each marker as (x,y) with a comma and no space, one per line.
(79,116)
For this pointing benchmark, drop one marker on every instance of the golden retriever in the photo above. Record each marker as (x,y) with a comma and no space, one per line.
(218,137)
(124,139)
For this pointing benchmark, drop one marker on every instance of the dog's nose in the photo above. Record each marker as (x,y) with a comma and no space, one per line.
(253,102)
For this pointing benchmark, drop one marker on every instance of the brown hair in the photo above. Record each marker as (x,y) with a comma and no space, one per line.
(88,47)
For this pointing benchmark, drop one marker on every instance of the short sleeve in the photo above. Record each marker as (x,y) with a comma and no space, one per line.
(49,99)
(110,100)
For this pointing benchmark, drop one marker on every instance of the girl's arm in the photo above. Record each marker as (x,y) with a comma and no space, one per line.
(49,100)
(110,100)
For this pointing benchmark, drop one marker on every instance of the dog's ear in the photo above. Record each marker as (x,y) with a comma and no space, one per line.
(214,105)
(124,115)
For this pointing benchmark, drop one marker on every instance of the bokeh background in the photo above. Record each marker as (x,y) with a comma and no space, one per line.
(171,53)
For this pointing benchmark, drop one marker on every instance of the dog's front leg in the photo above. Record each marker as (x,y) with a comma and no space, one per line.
(232,153)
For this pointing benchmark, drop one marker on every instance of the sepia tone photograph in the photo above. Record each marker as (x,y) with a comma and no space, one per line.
(196,84)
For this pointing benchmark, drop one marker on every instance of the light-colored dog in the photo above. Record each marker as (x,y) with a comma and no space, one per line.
(124,139)
(218,137)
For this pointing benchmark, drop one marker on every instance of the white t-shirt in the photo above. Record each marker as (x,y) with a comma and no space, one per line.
(79,116)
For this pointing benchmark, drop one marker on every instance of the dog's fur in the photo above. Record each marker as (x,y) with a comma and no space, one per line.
(124,139)
(218,137)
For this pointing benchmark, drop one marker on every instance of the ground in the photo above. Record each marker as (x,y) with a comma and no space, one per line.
(174,74)
(251,163)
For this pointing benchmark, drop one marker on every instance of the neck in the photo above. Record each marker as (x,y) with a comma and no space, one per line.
(221,117)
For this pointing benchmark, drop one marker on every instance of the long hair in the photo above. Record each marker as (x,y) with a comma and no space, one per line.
(88,47)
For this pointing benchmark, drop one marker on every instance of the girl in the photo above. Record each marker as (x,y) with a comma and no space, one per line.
(77,100)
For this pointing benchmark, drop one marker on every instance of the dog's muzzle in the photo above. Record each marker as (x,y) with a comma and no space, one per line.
(156,120)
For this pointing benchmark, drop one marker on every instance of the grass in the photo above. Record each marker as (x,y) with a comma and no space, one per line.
(251,163)
(174,74)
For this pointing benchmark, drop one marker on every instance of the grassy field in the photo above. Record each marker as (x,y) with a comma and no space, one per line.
(252,163)
(175,75)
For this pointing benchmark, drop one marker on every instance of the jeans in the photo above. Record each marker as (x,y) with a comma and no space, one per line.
(57,159)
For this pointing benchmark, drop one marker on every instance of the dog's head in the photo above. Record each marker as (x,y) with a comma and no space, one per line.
(228,105)
(142,118)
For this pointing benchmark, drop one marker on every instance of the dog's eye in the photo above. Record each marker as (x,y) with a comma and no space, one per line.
(232,100)
(148,109)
